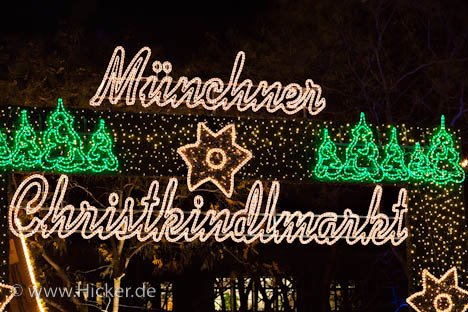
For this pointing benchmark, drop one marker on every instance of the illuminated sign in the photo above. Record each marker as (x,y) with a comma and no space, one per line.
(159,220)
(130,84)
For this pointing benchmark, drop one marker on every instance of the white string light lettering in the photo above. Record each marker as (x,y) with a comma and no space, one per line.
(159,220)
(213,94)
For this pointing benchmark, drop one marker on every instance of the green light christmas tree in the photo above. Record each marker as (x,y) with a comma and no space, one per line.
(419,168)
(5,152)
(361,155)
(393,165)
(443,158)
(100,155)
(63,145)
(26,152)
(328,164)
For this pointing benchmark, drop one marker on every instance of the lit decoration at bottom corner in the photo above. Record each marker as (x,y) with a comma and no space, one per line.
(32,275)
(6,298)
(440,294)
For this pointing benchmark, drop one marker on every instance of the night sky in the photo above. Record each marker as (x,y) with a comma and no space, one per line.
(397,61)
(176,26)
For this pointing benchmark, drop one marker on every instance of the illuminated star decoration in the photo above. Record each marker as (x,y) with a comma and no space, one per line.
(7,293)
(440,295)
(214,157)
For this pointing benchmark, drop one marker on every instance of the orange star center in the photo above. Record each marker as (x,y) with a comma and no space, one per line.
(443,303)
(216,158)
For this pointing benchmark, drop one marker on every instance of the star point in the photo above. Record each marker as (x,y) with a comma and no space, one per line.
(215,157)
(7,292)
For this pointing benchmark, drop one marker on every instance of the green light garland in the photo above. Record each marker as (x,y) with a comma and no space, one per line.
(328,164)
(393,165)
(440,165)
(100,156)
(444,159)
(64,148)
(26,152)
(418,166)
(362,155)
